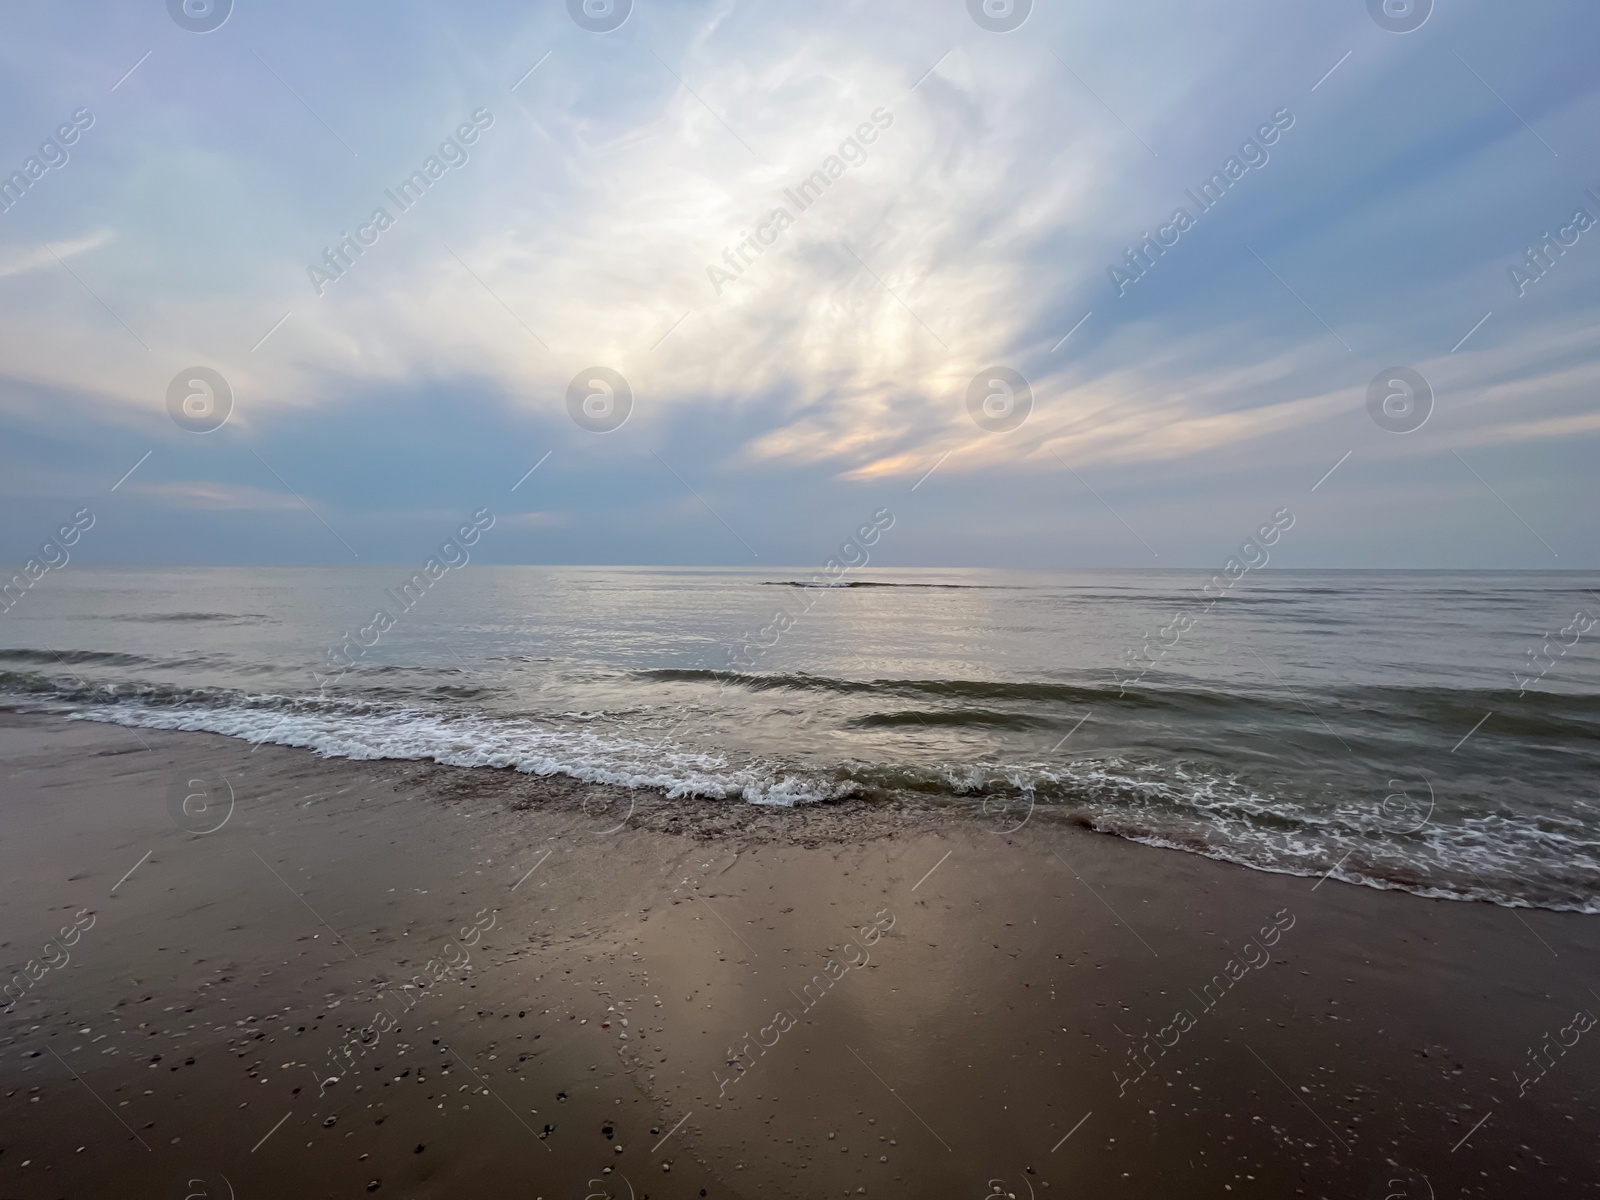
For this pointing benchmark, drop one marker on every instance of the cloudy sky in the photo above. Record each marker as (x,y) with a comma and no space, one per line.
(982,184)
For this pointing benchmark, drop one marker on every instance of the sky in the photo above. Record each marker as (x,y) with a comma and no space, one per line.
(957,327)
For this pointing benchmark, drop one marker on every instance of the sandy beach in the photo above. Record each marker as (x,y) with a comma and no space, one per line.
(413,980)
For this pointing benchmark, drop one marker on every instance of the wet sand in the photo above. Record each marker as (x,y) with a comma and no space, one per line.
(613,994)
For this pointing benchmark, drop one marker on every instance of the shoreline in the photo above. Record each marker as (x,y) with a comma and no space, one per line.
(1012,986)
(877,813)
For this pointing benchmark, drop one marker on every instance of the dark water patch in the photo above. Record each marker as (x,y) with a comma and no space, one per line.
(872,583)
(159,618)
(957,718)
(78,658)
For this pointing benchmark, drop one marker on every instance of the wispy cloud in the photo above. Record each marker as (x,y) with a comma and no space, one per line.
(215,497)
(19,260)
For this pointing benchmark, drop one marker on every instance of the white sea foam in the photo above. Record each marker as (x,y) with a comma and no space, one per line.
(481,741)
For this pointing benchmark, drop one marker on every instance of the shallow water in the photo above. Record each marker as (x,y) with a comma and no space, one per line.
(1307,721)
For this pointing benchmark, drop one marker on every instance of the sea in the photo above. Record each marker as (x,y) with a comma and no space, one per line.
(1436,732)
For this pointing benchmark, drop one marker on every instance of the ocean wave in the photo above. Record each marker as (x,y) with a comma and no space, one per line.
(959,688)
(1556,713)
(1190,802)
(1526,861)
(73,688)
(361,730)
